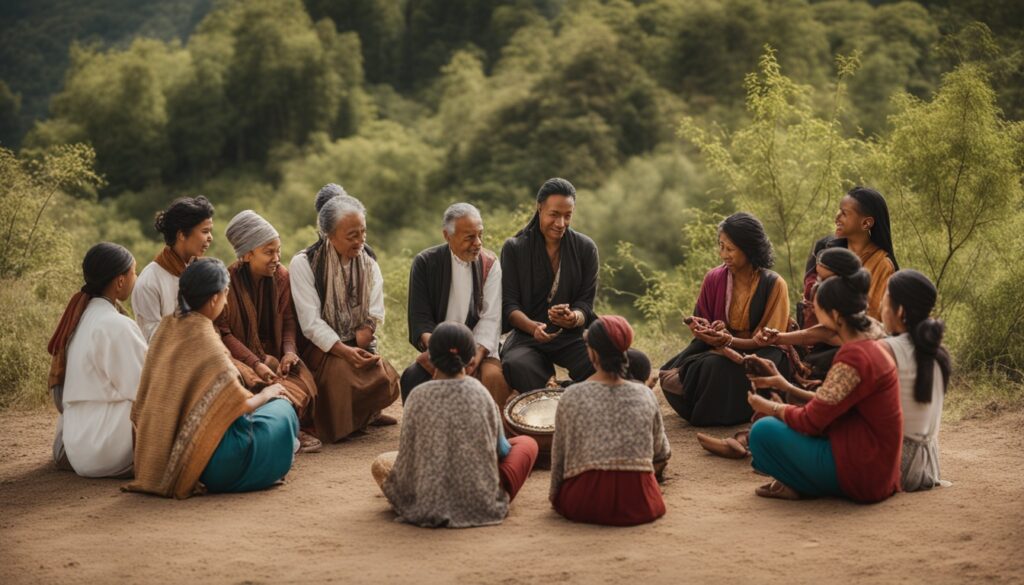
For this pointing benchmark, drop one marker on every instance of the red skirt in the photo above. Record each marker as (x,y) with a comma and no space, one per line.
(613,498)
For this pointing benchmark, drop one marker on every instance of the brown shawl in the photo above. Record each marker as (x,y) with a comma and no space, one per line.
(170,261)
(188,396)
(250,302)
(58,346)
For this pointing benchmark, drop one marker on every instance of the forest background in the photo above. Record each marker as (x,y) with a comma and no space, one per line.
(666,114)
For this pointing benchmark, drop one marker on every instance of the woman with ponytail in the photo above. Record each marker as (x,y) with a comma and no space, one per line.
(197,427)
(846,440)
(610,444)
(98,354)
(453,468)
(924,367)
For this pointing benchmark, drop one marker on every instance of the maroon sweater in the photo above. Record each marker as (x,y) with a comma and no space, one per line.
(864,426)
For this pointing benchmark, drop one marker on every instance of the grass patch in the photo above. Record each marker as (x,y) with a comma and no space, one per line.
(981,394)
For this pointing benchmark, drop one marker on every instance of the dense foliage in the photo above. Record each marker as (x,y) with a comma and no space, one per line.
(666,114)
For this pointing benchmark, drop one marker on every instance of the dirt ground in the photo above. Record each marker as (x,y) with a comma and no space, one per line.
(329,523)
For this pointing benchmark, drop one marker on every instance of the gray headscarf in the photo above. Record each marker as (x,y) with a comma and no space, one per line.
(248,230)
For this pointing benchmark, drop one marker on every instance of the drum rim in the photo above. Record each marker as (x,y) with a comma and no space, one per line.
(523,428)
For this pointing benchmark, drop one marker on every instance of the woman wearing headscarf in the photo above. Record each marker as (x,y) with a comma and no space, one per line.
(197,428)
(924,367)
(187,228)
(338,291)
(258,324)
(846,440)
(549,279)
(440,477)
(98,352)
(706,383)
(609,441)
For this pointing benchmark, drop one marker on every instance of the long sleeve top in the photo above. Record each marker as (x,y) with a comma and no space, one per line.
(858,409)
(105,358)
(441,289)
(527,277)
(154,297)
(604,427)
(308,307)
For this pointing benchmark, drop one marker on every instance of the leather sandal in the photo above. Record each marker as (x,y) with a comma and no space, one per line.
(777,489)
(729,448)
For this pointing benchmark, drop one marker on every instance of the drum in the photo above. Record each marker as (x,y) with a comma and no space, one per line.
(533,414)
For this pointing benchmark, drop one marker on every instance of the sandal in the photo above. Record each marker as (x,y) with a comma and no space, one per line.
(383,420)
(308,443)
(777,489)
(729,448)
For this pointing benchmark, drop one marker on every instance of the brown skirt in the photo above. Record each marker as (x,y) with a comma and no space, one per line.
(299,386)
(348,398)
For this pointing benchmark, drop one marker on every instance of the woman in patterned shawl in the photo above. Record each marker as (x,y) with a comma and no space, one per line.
(609,441)
(338,291)
(440,477)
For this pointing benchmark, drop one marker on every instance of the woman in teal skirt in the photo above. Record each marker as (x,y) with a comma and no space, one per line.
(197,427)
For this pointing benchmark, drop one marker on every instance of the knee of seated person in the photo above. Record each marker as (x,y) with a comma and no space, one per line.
(765,430)
(527,444)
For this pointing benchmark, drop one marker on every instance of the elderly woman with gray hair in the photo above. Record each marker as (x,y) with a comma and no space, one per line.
(258,324)
(457,281)
(338,292)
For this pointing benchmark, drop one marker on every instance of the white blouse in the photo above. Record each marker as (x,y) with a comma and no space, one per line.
(307,302)
(488,329)
(155,296)
(920,420)
(104,363)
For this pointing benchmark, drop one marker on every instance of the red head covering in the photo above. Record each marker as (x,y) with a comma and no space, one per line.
(618,330)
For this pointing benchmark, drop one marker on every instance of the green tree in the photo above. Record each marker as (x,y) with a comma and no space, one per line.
(31,189)
(788,165)
(10,123)
(118,101)
(953,166)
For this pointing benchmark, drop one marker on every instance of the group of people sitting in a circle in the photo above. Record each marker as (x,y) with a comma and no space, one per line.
(227,372)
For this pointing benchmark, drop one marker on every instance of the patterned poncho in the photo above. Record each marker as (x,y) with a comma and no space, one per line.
(611,428)
(446,473)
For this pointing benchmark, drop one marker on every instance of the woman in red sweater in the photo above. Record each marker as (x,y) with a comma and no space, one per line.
(846,441)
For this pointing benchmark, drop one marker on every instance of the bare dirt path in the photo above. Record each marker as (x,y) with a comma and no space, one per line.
(329,523)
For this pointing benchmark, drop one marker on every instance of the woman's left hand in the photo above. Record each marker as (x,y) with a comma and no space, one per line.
(776,382)
(287,363)
(760,404)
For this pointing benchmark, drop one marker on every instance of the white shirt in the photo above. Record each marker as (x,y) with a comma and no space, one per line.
(105,357)
(460,297)
(307,302)
(154,297)
(920,419)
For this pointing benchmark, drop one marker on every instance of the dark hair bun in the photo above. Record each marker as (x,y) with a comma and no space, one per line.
(859,282)
(841,261)
(451,347)
(183,214)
